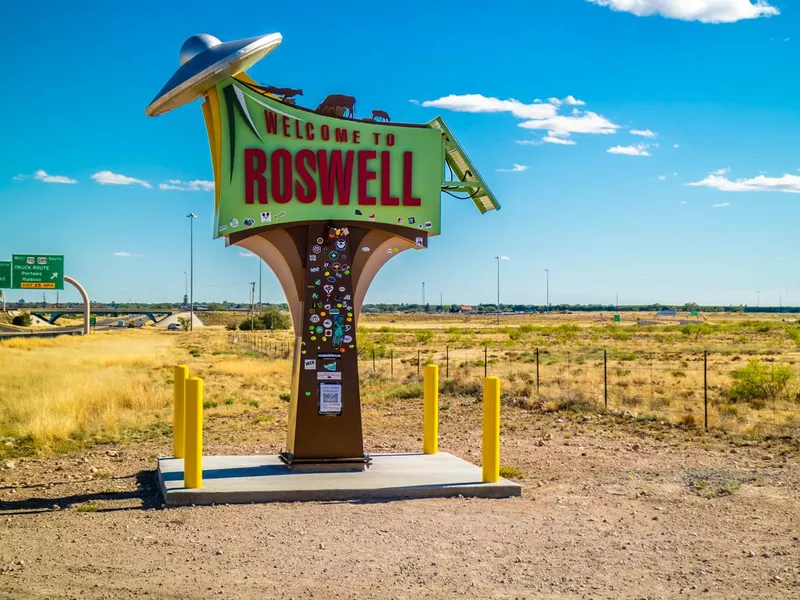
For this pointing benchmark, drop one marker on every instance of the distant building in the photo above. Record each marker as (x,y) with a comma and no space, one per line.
(667,313)
(464,308)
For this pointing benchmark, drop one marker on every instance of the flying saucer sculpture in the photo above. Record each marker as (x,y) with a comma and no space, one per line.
(325,199)
(205,61)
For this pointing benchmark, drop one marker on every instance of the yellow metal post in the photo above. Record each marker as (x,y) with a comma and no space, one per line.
(430,420)
(491,429)
(179,411)
(193,463)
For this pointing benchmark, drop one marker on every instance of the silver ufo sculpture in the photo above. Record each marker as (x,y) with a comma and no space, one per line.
(205,61)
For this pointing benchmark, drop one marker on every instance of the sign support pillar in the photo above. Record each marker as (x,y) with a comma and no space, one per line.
(86,306)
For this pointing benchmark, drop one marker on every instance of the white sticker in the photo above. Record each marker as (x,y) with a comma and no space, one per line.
(329,376)
(314,319)
(310,364)
(330,398)
(266,217)
(419,241)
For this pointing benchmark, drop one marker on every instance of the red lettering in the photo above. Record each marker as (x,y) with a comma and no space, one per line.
(281,167)
(334,175)
(364,176)
(376,137)
(309,130)
(297,133)
(305,192)
(255,165)
(326,132)
(390,139)
(341,134)
(285,126)
(386,193)
(408,166)
(271,119)
(356,137)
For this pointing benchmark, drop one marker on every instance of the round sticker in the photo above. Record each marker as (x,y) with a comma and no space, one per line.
(365,249)
(336,267)
(333,254)
(318,329)
(316,249)
(234,223)
(341,244)
(347,339)
(314,318)
(327,323)
(320,240)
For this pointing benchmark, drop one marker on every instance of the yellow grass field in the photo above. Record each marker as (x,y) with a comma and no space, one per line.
(59,392)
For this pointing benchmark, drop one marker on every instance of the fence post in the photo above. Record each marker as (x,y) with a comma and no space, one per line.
(705,389)
(605,378)
(181,372)
(447,361)
(373,360)
(193,462)
(430,420)
(485,361)
(491,429)
(419,360)
(391,371)
(537,372)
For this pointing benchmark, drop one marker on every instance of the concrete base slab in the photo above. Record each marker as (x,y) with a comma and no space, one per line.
(244,479)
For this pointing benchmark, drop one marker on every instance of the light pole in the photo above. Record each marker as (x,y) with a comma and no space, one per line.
(191,217)
(252,302)
(758,299)
(185,287)
(259,285)
(547,271)
(498,259)
(423,296)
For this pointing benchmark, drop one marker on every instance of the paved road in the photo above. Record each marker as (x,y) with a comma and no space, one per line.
(102,325)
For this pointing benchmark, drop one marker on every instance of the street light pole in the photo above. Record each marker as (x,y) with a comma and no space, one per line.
(259,286)
(185,286)
(547,271)
(191,217)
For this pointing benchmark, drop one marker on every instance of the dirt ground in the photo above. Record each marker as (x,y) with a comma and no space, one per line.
(610,509)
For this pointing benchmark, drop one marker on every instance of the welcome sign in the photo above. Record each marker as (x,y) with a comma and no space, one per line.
(282,164)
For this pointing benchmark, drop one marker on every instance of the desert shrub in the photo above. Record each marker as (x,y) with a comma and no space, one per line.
(407,392)
(22,319)
(285,396)
(270,318)
(756,383)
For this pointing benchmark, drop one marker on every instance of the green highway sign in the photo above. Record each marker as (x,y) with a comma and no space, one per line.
(37,272)
(5,274)
(694,313)
(616,318)
(92,321)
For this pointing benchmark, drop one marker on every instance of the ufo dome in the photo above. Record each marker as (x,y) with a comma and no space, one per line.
(197,44)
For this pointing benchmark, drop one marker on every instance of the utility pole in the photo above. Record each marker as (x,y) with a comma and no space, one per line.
(617,304)
(44,302)
(57,306)
(423,295)
(191,217)
(252,303)
(547,271)
(259,286)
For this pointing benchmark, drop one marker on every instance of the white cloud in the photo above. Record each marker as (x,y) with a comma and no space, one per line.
(676,146)
(643,133)
(683,202)
(126,255)
(515,169)
(109,178)
(414,101)
(721,205)
(662,177)
(19,177)
(640,150)
(721,171)
(705,11)
(41,175)
(247,254)
(789,184)
(196,185)
(537,115)
(561,140)
(530,142)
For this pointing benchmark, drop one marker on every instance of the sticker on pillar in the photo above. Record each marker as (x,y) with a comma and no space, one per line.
(328,356)
(334,376)
(328,289)
(365,249)
(316,249)
(428,224)
(310,364)
(341,244)
(266,217)
(411,220)
(420,241)
(312,258)
(330,399)
(338,330)
(314,319)
(330,366)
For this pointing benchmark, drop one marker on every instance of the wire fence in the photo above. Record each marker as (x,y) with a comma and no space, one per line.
(690,388)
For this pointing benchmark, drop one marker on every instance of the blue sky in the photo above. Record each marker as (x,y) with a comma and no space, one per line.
(658,157)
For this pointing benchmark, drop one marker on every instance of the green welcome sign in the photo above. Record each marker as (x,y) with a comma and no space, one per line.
(283,164)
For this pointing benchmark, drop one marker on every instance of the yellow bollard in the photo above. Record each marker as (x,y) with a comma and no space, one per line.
(491,429)
(430,419)
(193,462)
(179,411)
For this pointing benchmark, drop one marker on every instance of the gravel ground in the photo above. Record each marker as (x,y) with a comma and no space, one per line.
(608,511)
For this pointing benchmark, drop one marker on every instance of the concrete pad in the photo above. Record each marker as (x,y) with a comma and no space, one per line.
(243,479)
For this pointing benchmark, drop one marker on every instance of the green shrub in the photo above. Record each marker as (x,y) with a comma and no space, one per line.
(285,396)
(22,319)
(271,318)
(756,383)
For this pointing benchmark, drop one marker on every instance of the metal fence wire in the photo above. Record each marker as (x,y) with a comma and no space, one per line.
(690,388)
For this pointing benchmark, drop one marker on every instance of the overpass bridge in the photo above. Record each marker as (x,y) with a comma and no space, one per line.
(53,314)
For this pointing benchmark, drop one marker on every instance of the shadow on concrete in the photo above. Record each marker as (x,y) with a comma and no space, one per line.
(148,495)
